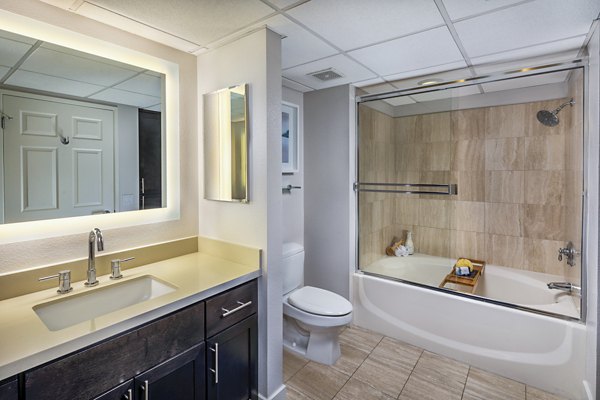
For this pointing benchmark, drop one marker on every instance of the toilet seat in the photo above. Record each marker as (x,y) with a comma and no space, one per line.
(320,302)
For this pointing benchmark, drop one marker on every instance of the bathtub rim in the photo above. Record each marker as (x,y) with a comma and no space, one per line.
(475,297)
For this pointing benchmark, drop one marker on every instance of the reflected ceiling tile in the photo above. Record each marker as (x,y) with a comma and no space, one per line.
(81,69)
(355,23)
(526,25)
(88,56)
(534,55)
(465,8)
(350,70)
(12,51)
(156,107)
(128,98)
(445,94)
(529,81)
(33,80)
(295,85)
(143,83)
(400,101)
(299,46)
(17,38)
(200,22)
(285,3)
(3,71)
(422,50)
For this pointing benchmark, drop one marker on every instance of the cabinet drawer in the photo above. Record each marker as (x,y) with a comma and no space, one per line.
(230,307)
(9,389)
(95,370)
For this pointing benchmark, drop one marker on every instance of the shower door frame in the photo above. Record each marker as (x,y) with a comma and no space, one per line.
(565,65)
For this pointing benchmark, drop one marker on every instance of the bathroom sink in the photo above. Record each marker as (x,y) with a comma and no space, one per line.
(62,313)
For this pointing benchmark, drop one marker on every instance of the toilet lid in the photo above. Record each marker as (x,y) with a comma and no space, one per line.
(319,301)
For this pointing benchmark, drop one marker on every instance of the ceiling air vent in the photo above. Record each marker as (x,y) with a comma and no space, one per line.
(326,74)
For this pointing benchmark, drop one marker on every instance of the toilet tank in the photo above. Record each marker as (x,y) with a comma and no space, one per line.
(292,266)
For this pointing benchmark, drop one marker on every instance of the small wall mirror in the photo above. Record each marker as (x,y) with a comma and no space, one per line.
(226,144)
(289,138)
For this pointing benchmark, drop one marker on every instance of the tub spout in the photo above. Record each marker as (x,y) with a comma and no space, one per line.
(564,286)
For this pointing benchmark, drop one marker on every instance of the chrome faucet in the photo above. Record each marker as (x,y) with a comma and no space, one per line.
(564,286)
(95,240)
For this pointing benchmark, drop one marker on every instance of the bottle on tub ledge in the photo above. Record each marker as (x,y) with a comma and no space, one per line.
(409,243)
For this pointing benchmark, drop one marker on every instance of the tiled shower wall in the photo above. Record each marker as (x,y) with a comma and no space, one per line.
(519,183)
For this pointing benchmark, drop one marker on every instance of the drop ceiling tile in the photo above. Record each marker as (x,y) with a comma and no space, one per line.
(200,22)
(465,8)
(526,25)
(12,51)
(351,72)
(60,3)
(33,80)
(3,71)
(144,84)
(156,107)
(368,82)
(298,46)
(350,24)
(295,85)
(129,25)
(285,3)
(445,73)
(62,65)
(379,88)
(445,94)
(529,56)
(128,98)
(410,53)
(528,81)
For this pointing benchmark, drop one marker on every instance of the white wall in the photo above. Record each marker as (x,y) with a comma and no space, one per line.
(592,147)
(293,203)
(328,173)
(256,60)
(29,254)
(127,173)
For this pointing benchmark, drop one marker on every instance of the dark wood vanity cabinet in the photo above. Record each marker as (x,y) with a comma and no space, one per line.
(168,358)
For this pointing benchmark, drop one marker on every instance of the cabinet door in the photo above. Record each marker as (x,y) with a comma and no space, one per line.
(232,362)
(122,392)
(182,378)
(9,389)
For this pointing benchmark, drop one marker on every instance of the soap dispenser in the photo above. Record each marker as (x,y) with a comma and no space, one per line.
(409,243)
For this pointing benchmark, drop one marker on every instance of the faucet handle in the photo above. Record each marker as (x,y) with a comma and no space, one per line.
(115,267)
(64,281)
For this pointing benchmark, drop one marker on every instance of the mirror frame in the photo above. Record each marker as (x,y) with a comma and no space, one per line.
(25,231)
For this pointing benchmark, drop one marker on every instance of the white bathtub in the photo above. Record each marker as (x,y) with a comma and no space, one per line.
(523,288)
(541,351)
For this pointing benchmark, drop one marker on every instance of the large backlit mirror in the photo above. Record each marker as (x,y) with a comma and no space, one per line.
(226,145)
(81,134)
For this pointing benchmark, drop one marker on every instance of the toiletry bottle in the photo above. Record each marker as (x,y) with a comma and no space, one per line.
(409,243)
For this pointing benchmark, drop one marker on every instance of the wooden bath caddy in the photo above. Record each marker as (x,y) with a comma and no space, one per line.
(465,283)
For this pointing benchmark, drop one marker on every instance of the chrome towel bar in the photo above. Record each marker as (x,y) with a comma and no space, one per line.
(450,188)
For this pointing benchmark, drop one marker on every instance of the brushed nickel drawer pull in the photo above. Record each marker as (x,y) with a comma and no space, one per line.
(145,389)
(238,308)
(129,395)
(216,370)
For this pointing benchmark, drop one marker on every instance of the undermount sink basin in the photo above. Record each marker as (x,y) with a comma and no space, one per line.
(62,313)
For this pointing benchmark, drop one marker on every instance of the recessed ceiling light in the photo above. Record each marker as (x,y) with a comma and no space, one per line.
(429,81)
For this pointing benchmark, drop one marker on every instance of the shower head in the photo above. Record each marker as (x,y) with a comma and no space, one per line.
(550,118)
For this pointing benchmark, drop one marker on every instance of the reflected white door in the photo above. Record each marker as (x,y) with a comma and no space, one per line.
(46,177)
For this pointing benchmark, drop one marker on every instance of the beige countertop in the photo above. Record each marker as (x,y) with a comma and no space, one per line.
(26,342)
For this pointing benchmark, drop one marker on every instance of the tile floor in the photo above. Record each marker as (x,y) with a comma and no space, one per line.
(373,366)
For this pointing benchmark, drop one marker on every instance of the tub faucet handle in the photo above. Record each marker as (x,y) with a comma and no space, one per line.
(569,252)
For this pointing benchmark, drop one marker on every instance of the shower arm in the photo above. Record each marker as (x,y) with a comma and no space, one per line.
(568,103)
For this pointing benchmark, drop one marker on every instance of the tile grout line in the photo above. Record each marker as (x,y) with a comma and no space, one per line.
(466,379)
(411,372)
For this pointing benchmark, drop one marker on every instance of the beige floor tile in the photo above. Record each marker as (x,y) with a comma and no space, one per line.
(318,381)
(537,394)
(350,359)
(442,370)
(420,388)
(389,365)
(483,385)
(292,363)
(355,389)
(293,394)
(360,338)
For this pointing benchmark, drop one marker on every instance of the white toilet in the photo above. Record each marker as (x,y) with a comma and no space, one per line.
(312,318)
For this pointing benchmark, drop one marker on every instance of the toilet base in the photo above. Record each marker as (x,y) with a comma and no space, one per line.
(320,344)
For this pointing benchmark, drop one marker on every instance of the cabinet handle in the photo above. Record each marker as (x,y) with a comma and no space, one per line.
(216,370)
(144,388)
(129,395)
(238,308)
